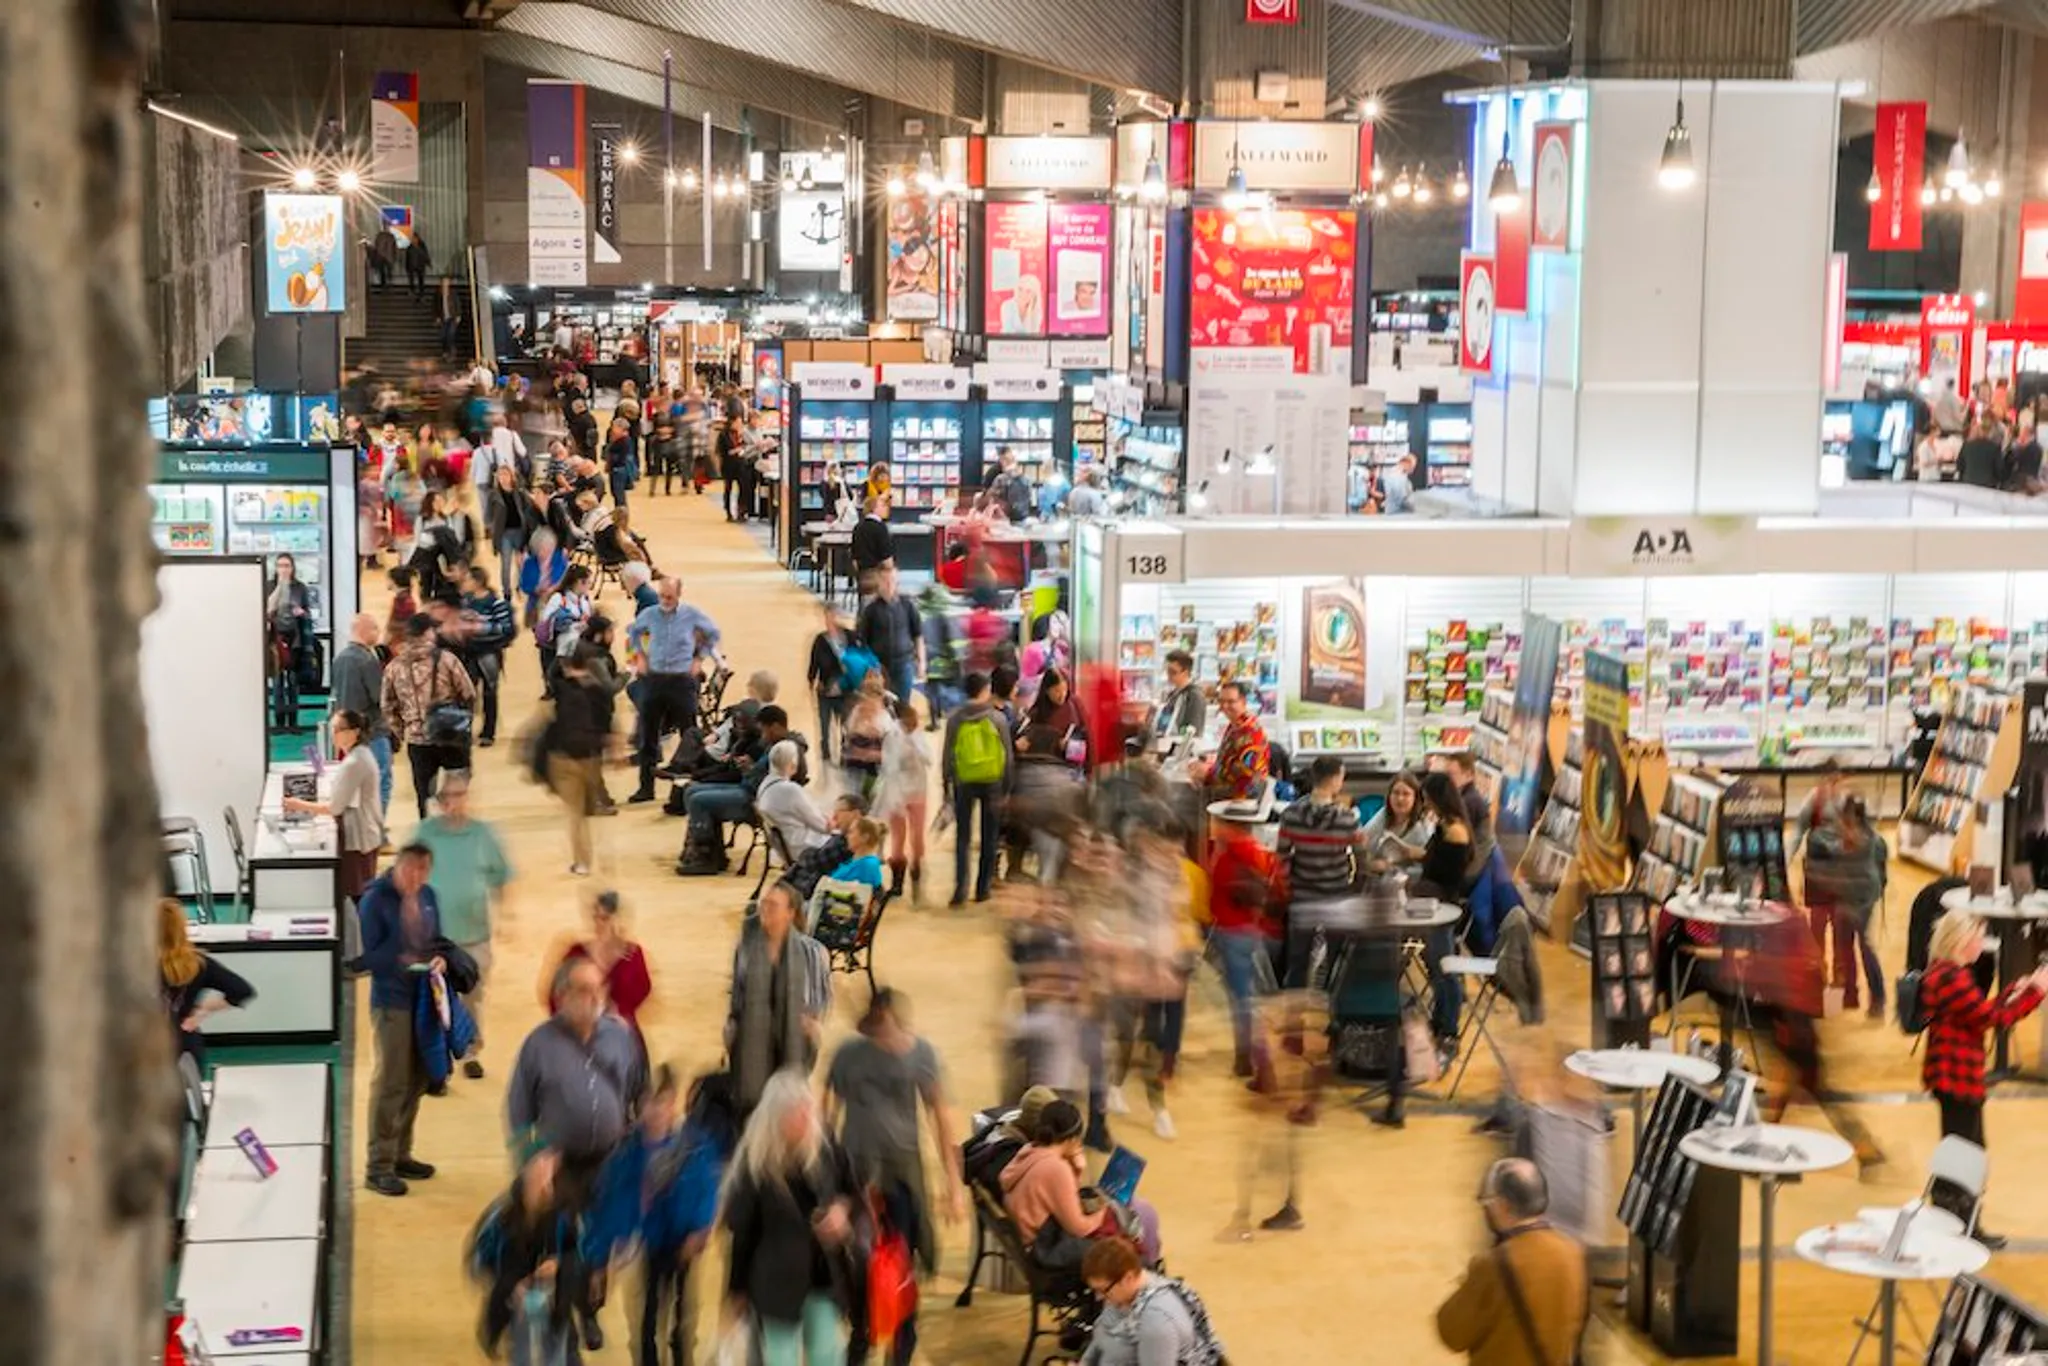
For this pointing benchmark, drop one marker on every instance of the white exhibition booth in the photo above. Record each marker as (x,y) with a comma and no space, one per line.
(1757,638)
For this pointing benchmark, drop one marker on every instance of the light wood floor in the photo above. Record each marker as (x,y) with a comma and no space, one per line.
(1391,1220)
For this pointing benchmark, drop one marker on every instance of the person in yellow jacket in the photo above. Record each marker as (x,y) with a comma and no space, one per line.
(1524,1300)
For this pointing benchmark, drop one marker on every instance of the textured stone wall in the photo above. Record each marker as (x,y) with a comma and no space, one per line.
(197,245)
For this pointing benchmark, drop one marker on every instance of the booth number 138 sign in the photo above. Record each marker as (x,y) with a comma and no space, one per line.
(1150,559)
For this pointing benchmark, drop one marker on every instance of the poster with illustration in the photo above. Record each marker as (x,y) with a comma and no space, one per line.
(1014,303)
(398,218)
(1606,780)
(1078,246)
(913,260)
(1528,730)
(1333,645)
(1279,284)
(304,238)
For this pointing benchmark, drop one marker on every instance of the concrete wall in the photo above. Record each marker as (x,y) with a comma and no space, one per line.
(195,256)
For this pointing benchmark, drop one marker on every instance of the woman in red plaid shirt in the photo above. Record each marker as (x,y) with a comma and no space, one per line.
(1957,1017)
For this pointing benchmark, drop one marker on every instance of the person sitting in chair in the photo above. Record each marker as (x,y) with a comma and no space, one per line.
(710,805)
(1042,1192)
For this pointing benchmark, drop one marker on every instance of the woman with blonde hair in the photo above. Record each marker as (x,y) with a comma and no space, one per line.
(1958,1015)
(790,1203)
(194,986)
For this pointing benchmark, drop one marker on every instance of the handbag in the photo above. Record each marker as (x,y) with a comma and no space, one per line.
(1418,1052)
(448,723)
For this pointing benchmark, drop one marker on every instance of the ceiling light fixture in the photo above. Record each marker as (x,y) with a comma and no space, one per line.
(897,189)
(1370,109)
(1461,188)
(1958,173)
(689,178)
(1152,185)
(629,152)
(1403,186)
(1994,184)
(808,180)
(304,179)
(1503,190)
(1236,190)
(348,182)
(789,180)
(1424,191)
(1927,192)
(927,174)
(1674,168)
(1874,191)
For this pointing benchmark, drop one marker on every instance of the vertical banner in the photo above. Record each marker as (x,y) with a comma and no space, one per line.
(395,127)
(1013,298)
(557,222)
(1521,778)
(305,253)
(1603,820)
(913,295)
(604,161)
(1078,245)
(1475,313)
(1898,151)
(2030,299)
(1511,259)
(1550,191)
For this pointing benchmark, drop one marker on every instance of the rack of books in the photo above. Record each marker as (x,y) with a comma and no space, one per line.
(1246,650)
(1490,742)
(1028,435)
(1983,1324)
(1685,1226)
(1554,844)
(1449,451)
(1624,969)
(1931,659)
(1091,429)
(1148,466)
(1750,837)
(1451,668)
(1975,753)
(827,435)
(924,459)
(1682,834)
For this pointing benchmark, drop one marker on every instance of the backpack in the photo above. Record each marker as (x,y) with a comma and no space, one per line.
(1912,1011)
(978,755)
(855,663)
(1207,1349)
(1016,497)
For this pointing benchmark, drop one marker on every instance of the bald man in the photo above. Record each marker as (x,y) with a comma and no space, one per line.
(1525,1299)
(359,687)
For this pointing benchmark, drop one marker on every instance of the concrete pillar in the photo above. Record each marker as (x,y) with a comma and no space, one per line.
(1231,57)
(88,1134)
(1663,39)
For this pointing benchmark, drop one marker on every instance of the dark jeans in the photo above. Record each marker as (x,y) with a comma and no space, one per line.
(1963,1119)
(829,712)
(664,1309)
(710,806)
(510,545)
(902,677)
(488,671)
(284,697)
(665,700)
(417,280)
(966,797)
(428,762)
(1447,992)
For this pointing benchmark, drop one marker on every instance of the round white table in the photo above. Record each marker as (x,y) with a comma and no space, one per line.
(1637,1070)
(1856,1248)
(1794,1152)
(1735,917)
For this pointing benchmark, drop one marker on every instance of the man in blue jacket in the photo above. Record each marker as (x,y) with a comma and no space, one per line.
(400,922)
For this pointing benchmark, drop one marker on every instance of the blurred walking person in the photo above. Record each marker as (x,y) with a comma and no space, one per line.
(574,744)
(1523,1302)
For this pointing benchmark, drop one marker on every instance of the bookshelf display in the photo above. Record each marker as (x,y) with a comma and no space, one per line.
(1490,742)
(1090,428)
(1226,647)
(1450,670)
(1975,753)
(1554,844)
(1027,430)
(925,451)
(1682,836)
(830,434)
(1624,968)
(1750,834)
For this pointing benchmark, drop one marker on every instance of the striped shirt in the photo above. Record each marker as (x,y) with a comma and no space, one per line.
(1316,841)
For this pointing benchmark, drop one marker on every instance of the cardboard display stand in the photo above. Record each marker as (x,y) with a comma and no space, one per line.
(1682,838)
(1624,999)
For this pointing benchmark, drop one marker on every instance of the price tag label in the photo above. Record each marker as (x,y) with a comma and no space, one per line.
(1150,559)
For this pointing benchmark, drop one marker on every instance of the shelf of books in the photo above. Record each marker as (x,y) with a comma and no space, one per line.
(830,434)
(1490,742)
(1228,644)
(924,459)
(1450,670)
(1091,429)
(1975,753)
(1681,836)
(1554,844)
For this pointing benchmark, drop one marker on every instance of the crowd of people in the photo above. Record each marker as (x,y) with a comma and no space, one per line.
(1989,439)
(1129,862)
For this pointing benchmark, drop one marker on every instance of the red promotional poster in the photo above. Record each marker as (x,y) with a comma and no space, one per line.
(1272,11)
(1511,259)
(2030,300)
(1014,302)
(1898,149)
(1550,209)
(1279,281)
(1475,314)
(1078,252)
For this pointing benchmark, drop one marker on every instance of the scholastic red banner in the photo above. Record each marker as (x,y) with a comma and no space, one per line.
(1511,259)
(1475,314)
(1899,151)
(1272,11)
(2030,300)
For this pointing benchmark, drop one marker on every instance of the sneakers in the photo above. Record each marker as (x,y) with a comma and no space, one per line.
(1389,1121)
(384,1183)
(473,1069)
(579,870)
(1286,1219)
(411,1170)
(1162,1125)
(645,794)
(1113,1101)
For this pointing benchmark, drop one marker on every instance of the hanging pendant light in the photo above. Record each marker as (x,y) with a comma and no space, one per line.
(809,179)
(789,180)
(897,187)
(1236,190)
(1461,188)
(1674,168)
(1504,191)
(1424,191)
(1874,191)
(1994,182)
(1152,185)
(1927,192)
(1958,173)
(1403,186)
(927,174)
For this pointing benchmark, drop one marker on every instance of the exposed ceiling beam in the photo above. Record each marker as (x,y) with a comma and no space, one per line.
(1478,23)
(601,73)
(830,42)
(1823,24)
(1126,44)
(1370,54)
(699,65)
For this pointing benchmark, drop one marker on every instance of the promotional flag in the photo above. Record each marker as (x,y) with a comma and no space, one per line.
(1550,206)
(395,127)
(557,217)
(1511,259)
(1898,149)
(1475,313)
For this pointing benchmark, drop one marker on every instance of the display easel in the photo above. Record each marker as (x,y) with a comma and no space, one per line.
(1976,753)
(1624,999)
(1685,1233)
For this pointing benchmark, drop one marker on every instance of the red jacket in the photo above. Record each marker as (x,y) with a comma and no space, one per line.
(1957,1016)
(1245,883)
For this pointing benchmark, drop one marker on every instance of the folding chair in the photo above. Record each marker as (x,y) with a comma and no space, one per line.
(185,847)
(1963,1165)
(245,877)
(1487,970)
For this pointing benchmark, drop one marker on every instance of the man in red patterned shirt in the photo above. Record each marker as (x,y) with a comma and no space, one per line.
(1244,759)
(1957,1017)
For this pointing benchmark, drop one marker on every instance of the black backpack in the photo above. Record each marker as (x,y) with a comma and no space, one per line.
(1912,1012)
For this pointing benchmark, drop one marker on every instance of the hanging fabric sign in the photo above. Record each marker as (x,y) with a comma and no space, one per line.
(1898,149)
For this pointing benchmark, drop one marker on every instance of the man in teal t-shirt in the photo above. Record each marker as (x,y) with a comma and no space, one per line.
(470,868)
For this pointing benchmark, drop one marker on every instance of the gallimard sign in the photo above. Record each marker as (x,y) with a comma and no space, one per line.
(1278,156)
(1048,163)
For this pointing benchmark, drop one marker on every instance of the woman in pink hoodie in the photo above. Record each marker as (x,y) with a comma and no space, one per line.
(1042,1185)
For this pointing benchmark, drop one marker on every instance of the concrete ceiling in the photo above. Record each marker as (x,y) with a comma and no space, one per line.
(1476,23)
(544,58)
(1124,44)
(700,67)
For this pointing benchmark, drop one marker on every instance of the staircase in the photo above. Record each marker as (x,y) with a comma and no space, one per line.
(400,329)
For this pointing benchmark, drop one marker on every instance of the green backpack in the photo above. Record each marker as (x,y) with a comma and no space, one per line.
(978,754)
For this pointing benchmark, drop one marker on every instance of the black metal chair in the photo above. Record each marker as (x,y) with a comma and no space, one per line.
(1062,1306)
